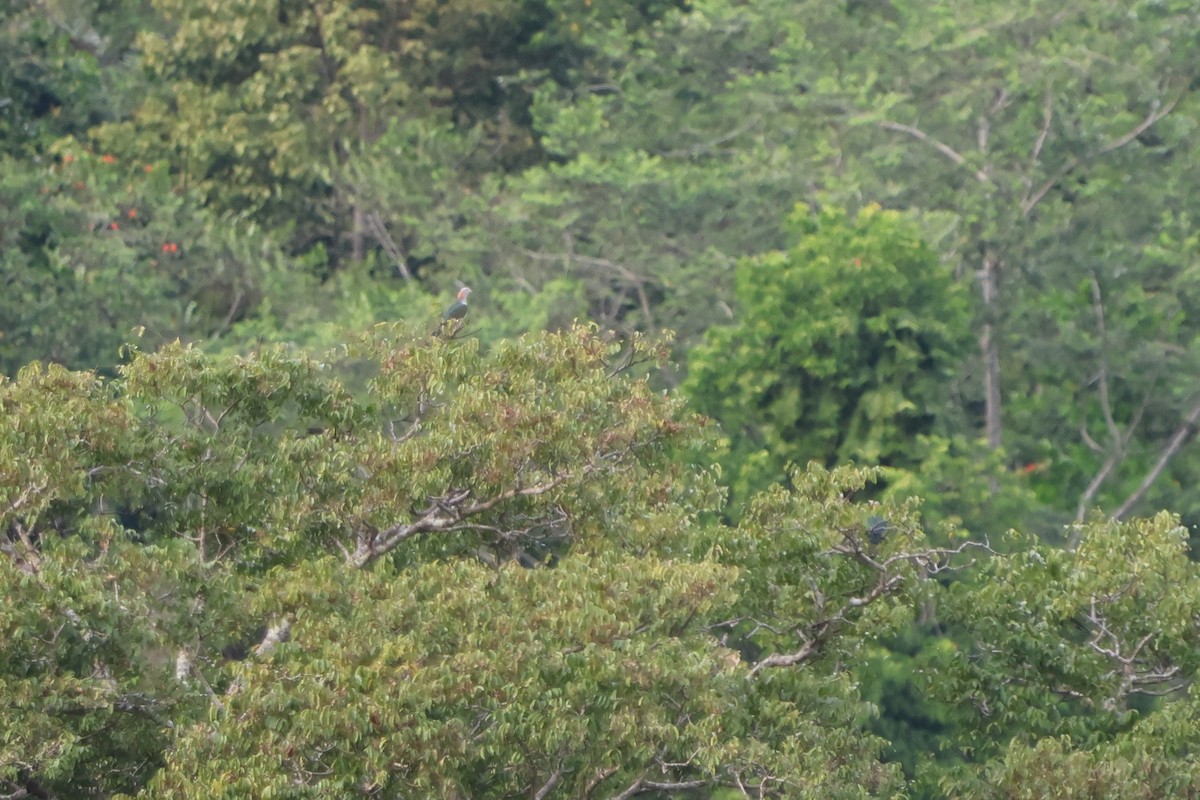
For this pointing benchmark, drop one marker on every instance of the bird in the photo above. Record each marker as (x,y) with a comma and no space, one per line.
(454,315)
(458,309)
(877,528)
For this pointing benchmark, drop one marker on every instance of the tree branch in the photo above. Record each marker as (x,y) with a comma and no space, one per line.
(1181,435)
(643,785)
(234,307)
(1105,404)
(1114,433)
(276,635)
(393,251)
(633,789)
(637,281)
(1047,116)
(926,562)
(549,785)
(785,659)
(445,513)
(1157,112)
(989,352)
(1136,671)
(597,779)
(943,148)
(673,786)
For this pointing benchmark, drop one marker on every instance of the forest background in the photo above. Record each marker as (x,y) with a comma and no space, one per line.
(822,425)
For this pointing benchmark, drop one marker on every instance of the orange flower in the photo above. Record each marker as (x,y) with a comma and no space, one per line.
(108,158)
(112,226)
(68,158)
(133,213)
(148,168)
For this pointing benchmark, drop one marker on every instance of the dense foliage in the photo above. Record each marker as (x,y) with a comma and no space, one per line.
(928,269)
(494,574)
(862,380)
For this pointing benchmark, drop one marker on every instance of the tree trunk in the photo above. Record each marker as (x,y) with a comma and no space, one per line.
(358,250)
(358,245)
(989,351)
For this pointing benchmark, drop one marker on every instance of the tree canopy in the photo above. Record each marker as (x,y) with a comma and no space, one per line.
(822,424)
(497,573)
(862,378)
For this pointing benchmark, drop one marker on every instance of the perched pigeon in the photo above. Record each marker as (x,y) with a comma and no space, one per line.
(458,309)
(452,319)
(877,528)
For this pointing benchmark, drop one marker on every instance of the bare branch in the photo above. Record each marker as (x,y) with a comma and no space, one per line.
(276,635)
(701,148)
(943,148)
(1089,494)
(210,691)
(1116,440)
(633,789)
(1170,689)
(672,786)
(1157,112)
(1177,441)
(24,496)
(643,785)
(1047,117)
(1105,405)
(990,352)
(26,557)
(1137,672)
(229,317)
(1091,443)
(1111,461)
(446,513)
(785,659)
(600,776)
(637,281)
(413,421)
(380,232)
(926,562)
(549,785)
